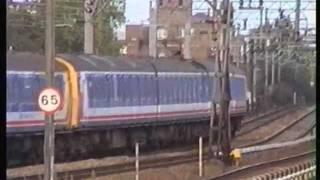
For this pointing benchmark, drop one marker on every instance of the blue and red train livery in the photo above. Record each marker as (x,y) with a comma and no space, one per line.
(103,92)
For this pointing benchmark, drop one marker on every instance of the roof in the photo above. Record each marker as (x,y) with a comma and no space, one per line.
(26,61)
(82,62)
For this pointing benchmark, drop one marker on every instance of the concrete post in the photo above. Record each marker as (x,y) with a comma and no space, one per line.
(200,157)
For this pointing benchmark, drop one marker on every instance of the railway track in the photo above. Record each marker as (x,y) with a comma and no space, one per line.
(277,131)
(299,128)
(127,166)
(257,169)
(265,119)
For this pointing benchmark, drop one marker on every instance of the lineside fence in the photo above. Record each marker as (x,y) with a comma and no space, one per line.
(302,171)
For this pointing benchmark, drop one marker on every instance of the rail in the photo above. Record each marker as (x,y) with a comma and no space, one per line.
(119,168)
(264,119)
(300,171)
(245,171)
(277,133)
(276,145)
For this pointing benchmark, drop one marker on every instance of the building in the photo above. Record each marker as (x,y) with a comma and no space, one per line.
(170,22)
(137,40)
(167,32)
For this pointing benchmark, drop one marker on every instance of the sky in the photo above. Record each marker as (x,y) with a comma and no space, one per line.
(137,11)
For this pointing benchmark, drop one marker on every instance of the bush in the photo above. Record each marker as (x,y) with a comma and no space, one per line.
(282,94)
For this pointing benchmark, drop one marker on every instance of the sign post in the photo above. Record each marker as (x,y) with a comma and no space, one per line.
(48,150)
(49,102)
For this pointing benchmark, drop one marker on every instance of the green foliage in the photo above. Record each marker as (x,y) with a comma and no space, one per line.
(299,80)
(26,31)
(282,94)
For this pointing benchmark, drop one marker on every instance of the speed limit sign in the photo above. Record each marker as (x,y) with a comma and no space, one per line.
(49,100)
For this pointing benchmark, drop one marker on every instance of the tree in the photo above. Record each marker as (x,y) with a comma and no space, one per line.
(26,26)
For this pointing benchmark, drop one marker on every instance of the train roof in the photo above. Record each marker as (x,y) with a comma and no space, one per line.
(26,61)
(83,62)
(23,61)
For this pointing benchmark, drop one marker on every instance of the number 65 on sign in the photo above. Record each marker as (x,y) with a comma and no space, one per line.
(49,100)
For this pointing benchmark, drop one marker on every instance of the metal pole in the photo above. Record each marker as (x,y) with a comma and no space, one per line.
(219,78)
(213,108)
(266,16)
(156,30)
(187,42)
(251,72)
(279,69)
(295,85)
(50,55)
(227,60)
(273,69)
(267,65)
(137,161)
(88,31)
(200,157)
(297,28)
(297,20)
(153,29)
(225,96)
(254,74)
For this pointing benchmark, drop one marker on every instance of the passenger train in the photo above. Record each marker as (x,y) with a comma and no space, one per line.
(105,96)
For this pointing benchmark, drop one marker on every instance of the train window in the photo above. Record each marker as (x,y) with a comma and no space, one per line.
(172,90)
(166,90)
(188,89)
(197,92)
(152,90)
(23,89)
(183,90)
(136,89)
(179,92)
(238,89)
(100,93)
(175,89)
(125,86)
(121,90)
(144,90)
(163,89)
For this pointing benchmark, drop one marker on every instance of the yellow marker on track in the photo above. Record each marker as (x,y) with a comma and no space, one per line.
(236,156)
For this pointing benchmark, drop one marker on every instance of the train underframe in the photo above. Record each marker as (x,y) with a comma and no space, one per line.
(27,149)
